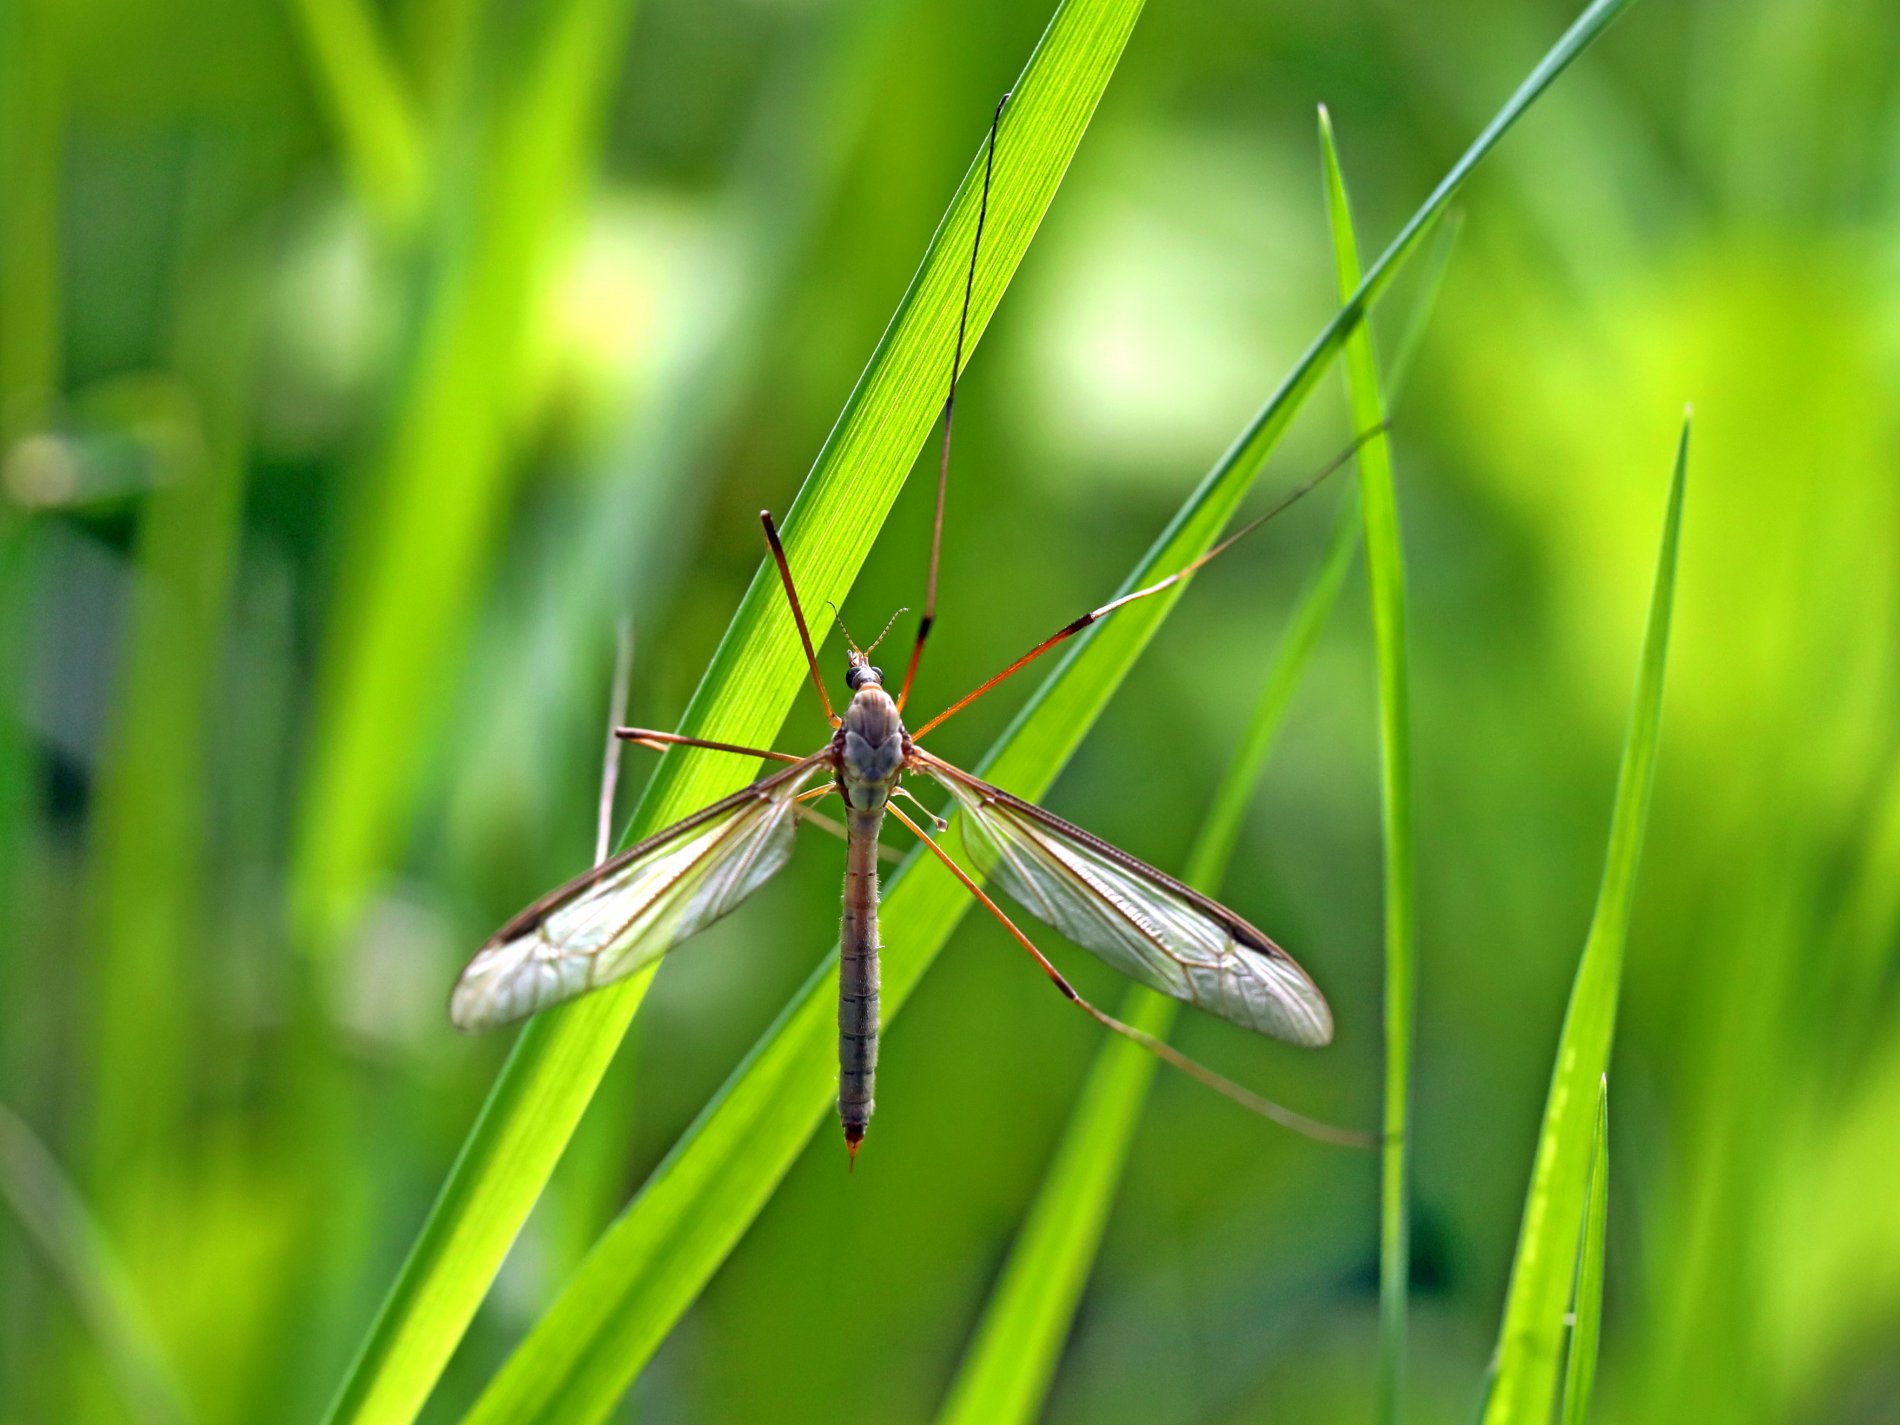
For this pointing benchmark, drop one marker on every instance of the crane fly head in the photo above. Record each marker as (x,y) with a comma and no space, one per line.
(871,742)
(859,673)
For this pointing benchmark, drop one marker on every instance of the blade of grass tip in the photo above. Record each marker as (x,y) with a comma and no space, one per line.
(1014,1352)
(1385,572)
(52,1213)
(1586,1327)
(1544,1270)
(744,696)
(650,1265)
(369,104)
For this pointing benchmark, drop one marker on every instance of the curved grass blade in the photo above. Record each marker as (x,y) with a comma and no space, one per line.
(1385,572)
(652,1263)
(1013,1356)
(560,1057)
(1586,1326)
(1544,1272)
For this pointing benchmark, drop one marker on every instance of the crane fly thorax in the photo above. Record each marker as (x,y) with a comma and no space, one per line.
(871,747)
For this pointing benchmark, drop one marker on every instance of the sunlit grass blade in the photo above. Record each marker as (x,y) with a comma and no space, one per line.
(1385,572)
(1544,1272)
(52,1213)
(1586,1315)
(370,105)
(652,1263)
(559,1058)
(1017,1345)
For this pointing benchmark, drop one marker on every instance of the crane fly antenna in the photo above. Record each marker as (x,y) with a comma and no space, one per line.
(949,415)
(1069,630)
(837,616)
(798,614)
(888,625)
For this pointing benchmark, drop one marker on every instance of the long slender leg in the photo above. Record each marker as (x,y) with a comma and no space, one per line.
(1069,630)
(949,414)
(660,741)
(798,613)
(1160,1048)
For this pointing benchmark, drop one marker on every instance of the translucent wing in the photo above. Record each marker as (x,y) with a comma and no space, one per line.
(1144,923)
(630,910)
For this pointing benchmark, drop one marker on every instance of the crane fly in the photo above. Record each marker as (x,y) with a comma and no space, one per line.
(628,911)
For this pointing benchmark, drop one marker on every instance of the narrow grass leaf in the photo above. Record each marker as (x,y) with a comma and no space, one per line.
(1385,572)
(651,1264)
(559,1058)
(1013,1356)
(1586,1325)
(1544,1272)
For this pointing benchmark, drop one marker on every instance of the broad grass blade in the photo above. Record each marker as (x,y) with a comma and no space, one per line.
(744,696)
(1543,1276)
(652,1263)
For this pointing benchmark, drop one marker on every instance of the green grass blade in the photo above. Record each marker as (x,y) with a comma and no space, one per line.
(1586,1328)
(370,106)
(51,1211)
(148,876)
(1385,571)
(414,554)
(654,1260)
(1542,1277)
(744,696)
(1018,1344)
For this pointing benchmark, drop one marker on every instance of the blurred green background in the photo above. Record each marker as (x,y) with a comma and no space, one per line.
(361,369)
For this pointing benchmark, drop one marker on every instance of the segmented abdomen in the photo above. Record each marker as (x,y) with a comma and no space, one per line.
(858,979)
